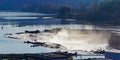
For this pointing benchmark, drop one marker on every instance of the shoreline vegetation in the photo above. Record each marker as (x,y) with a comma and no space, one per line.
(51,56)
(103,13)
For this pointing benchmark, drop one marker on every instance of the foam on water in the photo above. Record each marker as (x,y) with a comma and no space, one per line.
(82,40)
(72,39)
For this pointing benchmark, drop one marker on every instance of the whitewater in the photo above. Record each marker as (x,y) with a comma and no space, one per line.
(72,39)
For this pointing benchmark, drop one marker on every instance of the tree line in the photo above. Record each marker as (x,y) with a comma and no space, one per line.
(107,12)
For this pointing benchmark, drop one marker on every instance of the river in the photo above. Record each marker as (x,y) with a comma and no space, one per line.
(14,22)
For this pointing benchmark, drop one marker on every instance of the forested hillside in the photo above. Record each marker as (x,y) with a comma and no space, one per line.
(88,11)
(18,4)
